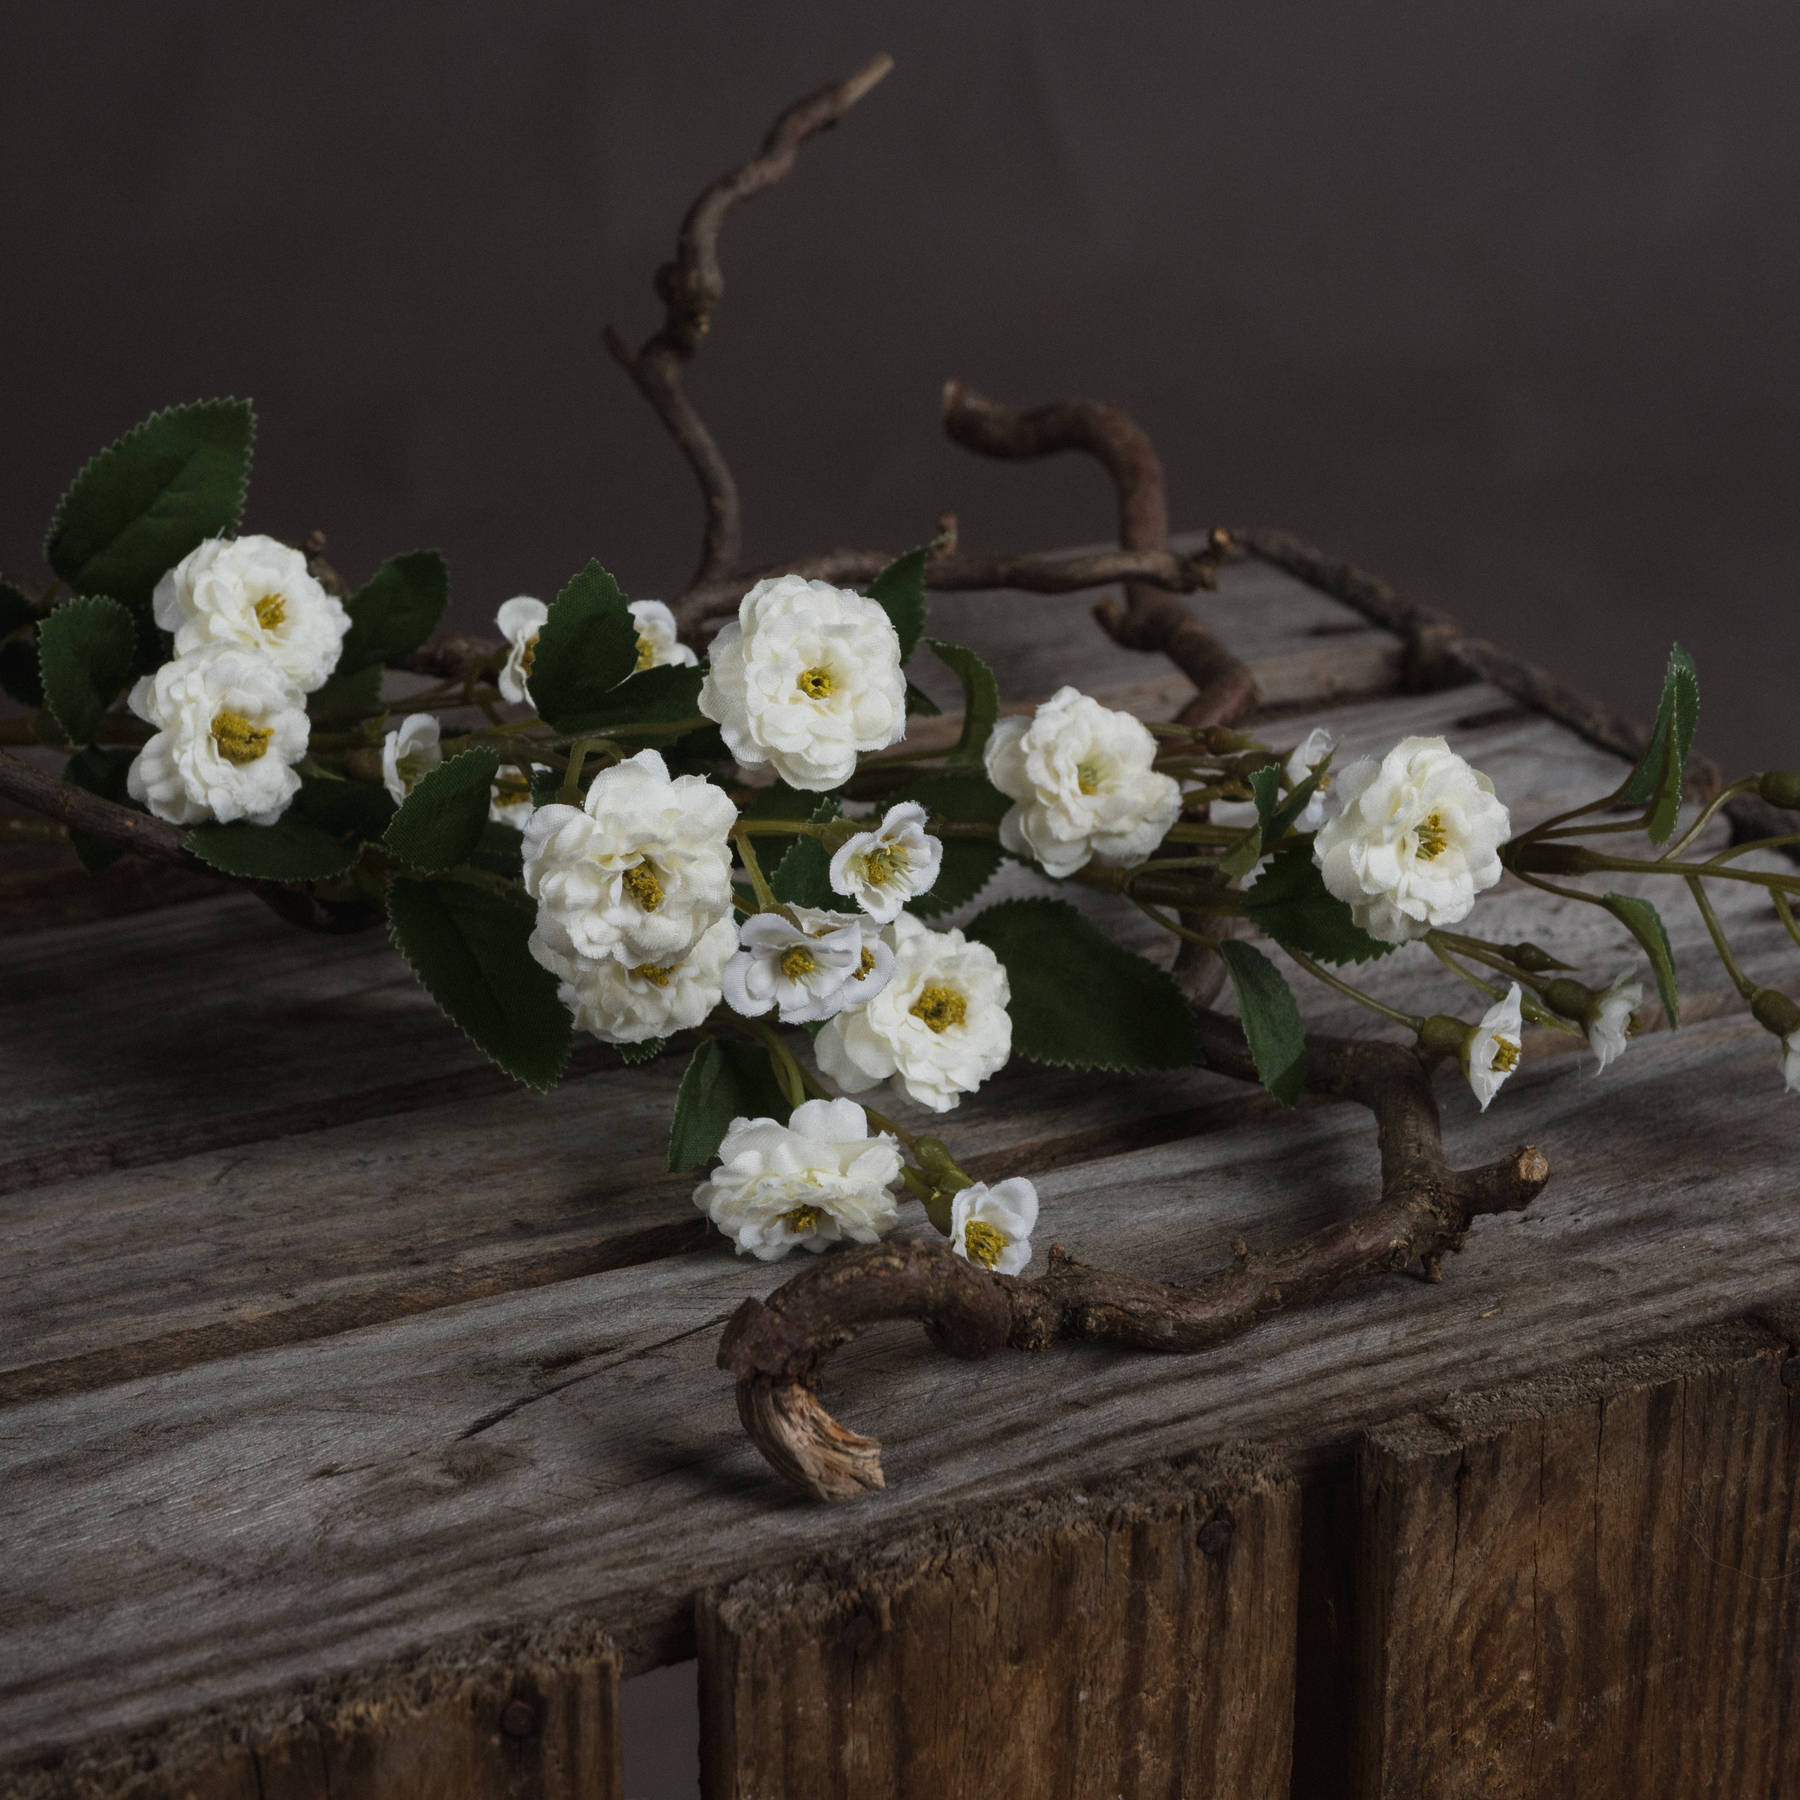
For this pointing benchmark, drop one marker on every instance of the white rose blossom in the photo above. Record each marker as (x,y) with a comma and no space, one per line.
(1085,791)
(1418,837)
(939,1028)
(992,1226)
(229,728)
(658,646)
(812,969)
(254,593)
(1306,756)
(1491,1050)
(881,870)
(819,1178)
(638,871)
(520,620)
(410,752)
(806,677)
(1610,1018)
(629,1003)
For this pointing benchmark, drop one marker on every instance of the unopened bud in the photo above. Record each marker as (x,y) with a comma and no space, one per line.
(1554,859)
(1445,1035)
(1573,999)
(1532,957)
(1775,1012)
(1781,787)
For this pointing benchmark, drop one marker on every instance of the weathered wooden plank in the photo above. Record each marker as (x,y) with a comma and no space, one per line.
(519,1716)
(1585,1584)
(1132,1638)
(242,1524)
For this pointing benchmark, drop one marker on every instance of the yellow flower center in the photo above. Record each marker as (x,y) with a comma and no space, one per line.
(510,788)
(646,653)
(797,962)
(271,611)
(1089,773)
(641,884)
(239,741)
(883,863)
(528,655)
(940,1008)
(802,1221)
(657,974)
(816,683)
(983,1242)
(867,963)
(1432,838)
(411,770)
(1506,1055)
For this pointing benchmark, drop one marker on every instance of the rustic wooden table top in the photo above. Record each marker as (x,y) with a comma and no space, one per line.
(320,1342)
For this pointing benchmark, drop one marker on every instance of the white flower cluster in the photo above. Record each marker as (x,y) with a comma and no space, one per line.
(255,633)
(522,618)
(415,747)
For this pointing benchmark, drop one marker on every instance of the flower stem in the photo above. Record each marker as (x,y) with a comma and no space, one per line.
(1411,1021)
(1181,931)
(787,1070)
(1786,914)
(1707,814)
(1739,979)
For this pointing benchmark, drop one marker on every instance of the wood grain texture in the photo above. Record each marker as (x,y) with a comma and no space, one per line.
(1588,1583)
(1134,1638)
(522,1716)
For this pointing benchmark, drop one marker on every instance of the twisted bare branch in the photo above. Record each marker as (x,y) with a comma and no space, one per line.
(81,811)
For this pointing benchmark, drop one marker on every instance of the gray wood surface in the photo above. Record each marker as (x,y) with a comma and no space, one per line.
(318,1342)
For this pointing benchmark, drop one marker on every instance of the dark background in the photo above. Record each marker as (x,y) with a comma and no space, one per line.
(1499,301)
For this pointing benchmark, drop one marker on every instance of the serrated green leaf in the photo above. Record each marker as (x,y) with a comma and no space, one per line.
(1265,790)
(1270,1018)
(981,699)
(1659,775)
(1290,903)
(439,824)
(803,876)
(1078,1000)
(501,850)
(468,946)
(16,610)
(723,1081)
(396,610)
(357,810)
(100,772)
(969,864)
(1645,924)
(587,646)
(647,1051)
(19,677)
(145,501)
(1294,805)
(900,591)
(919,704)
(85,652)
(346,699)
(289,850)
(650,697)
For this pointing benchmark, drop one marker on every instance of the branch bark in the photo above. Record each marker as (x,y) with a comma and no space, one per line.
(81,811)
(776,1349)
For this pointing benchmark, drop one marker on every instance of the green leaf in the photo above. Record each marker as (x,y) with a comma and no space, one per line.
(981,699)
(900,590)
(650,697)
(803,876)
(501,850)
(144,502)
(289,850)
(439,824)
(468,946)
(346,699)
(724,1081)
(357,810)
(16,611)
(587,646)
(1291,904)
(1660,771)
(919,704)
(100,772)
(1078,1000)
(85,653)
(969,863)
(1265,790)
(396,610)
(647,1051)
(1645,924)
(19,677)
(1295,804)
(1270,1019)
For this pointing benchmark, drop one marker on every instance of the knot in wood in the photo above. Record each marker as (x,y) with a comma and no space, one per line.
(519,1719)
(1213,1539)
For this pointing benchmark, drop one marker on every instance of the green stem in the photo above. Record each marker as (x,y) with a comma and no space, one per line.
(765,895)
(1708,813)
(1181,931)
(1625,865)
(1411,1021)
(1443,955)
(570,791)
(1768,843)
(1786,915)
(787,1070)
(826,1091)
(1739,979)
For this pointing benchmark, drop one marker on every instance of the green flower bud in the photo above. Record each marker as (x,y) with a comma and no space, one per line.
(1573,999)
(1781,787)
(1775,1012)
(1444,1034)
(1532,957)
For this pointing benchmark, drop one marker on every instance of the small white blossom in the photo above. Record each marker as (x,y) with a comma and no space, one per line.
(1417,839)
(1081,776)
(1790,1061)
(520,620)
(804,678)
(812,1181)
(896,862)
(638,871)
(1313,749)
(814,969)
(409,753)
(254,593)
(940,1028)
(992,1225)
(1610,1019)
(1491,1050)
(229,729)
(626,1003)
(510,797)
(658,646)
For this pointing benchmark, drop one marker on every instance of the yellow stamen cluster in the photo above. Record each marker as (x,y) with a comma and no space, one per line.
(271,612)
(883,863)
(802,1221)
(1088,775)
(510,787)
(983,1242)
(797,962)
(641,884)
(239,741)
(657,974)
(864,967)
(940,1008)
(816,683)
(528,655)
(1432,838)
(1506,1055)
(646,653)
